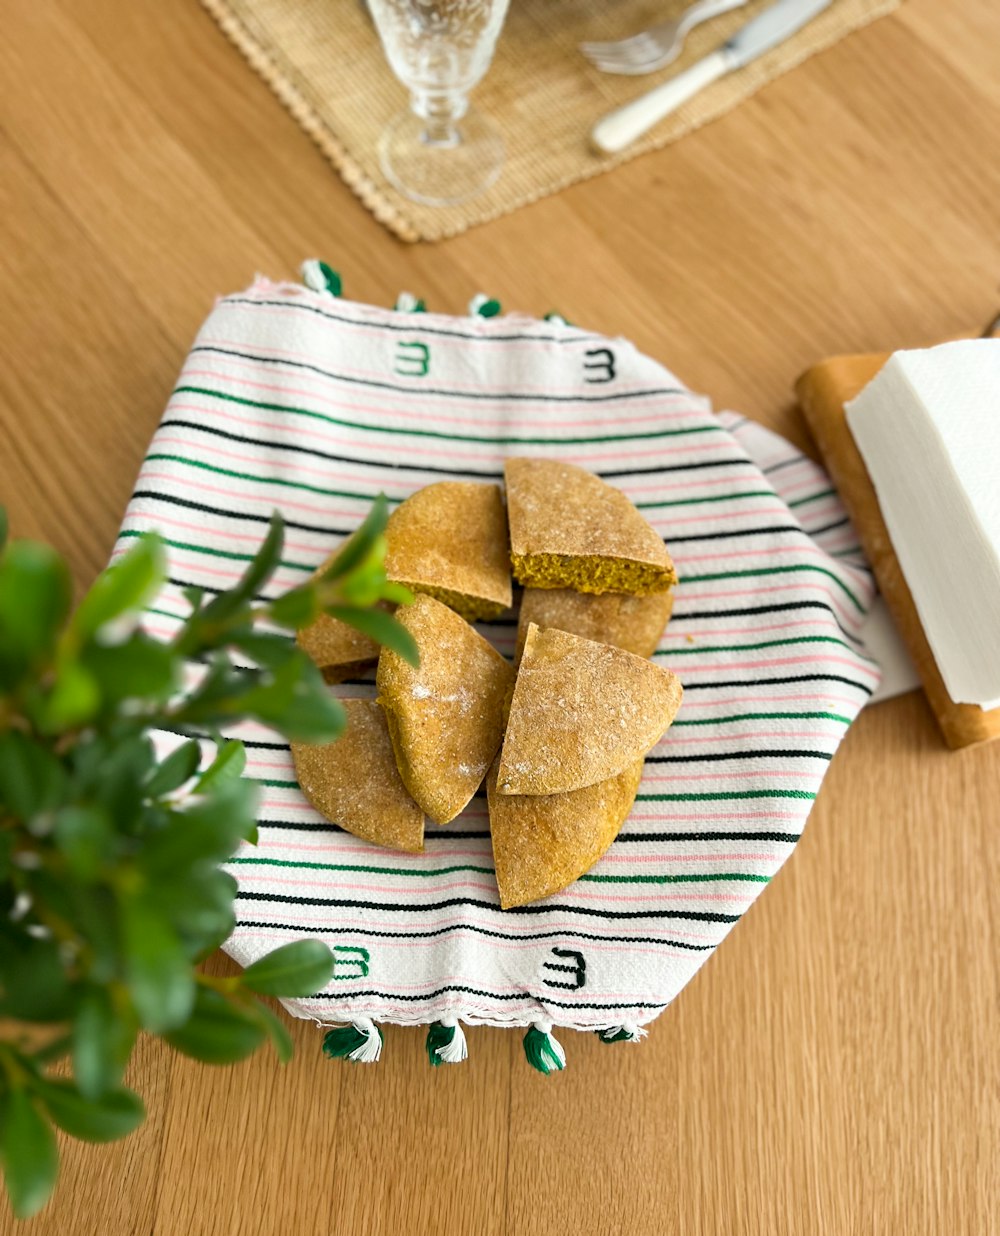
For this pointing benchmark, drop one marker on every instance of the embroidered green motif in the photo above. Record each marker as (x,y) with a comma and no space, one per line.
(413,359)
(577,972)
(601,363)
(350,967)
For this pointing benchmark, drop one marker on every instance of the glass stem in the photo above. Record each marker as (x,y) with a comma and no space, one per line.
(440,110)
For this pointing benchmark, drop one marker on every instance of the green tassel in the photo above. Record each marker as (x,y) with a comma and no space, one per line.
(341,1041)
(361,1043)
(543,1052)
(552,316)
(621,1034)
(484,306)
(446,1043)
(334,284)
(406,302)
(438,1036)
(320,277)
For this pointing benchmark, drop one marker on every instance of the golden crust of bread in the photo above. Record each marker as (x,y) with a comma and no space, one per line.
(354,781)
(581,712)
(339,651)
(543,842)
(632,623)
(450,540)
(570,529)
(445,717)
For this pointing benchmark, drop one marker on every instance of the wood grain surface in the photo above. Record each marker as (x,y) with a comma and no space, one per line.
(835,1069)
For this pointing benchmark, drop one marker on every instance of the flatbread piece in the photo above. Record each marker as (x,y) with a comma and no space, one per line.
(570,529)
(445,717)
(354,781)
(581,712)
(543,842)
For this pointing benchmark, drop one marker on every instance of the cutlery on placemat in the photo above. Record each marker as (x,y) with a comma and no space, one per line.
(658,46)
(616,130)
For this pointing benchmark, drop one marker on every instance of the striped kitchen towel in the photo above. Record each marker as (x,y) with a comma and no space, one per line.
(296,399)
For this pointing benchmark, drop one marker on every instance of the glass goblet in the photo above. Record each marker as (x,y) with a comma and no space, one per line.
(440,150)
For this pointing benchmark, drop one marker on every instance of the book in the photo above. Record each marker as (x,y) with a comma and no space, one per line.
(926,427)
(823,391)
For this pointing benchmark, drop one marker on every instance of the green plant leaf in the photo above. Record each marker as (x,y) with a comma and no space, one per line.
(296,608)
(194,596)
(105,1119)
(32,780)
(361,589)
(34,602)
(34,985)
(208,826)
(111,772)
(103,1039)
(85,838)
(259,571)
(158,972)
(381,627)
(227,766)
(277,1032)
(359,545)
(396,594)
(139,667)
(297,969)
(202,908)
(74,699)
(179,766)
(124,587)
(297,702)
(266,649)
(217,1032)
(30,1155)
(216,699)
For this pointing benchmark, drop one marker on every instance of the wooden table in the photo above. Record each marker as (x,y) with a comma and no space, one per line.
(835,1069)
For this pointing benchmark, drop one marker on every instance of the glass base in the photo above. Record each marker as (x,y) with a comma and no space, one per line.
(440,173)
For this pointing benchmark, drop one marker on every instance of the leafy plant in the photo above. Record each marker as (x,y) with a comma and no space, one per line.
(111,890)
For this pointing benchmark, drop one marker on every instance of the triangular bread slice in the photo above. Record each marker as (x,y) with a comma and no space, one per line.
(570,529)
(632,623)
(581,712)
(542,842)
(338,649)
(445,717)
(450,541)
(354,781)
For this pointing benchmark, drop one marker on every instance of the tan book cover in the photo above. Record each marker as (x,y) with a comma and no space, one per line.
(822,392)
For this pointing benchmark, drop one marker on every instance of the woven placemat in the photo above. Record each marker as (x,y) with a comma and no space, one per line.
(324,61)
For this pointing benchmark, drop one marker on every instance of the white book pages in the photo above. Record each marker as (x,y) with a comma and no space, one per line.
(928,429)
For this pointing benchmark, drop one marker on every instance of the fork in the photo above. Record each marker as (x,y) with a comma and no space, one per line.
(659,45)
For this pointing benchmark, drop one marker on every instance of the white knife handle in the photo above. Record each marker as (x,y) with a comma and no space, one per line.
(619,128)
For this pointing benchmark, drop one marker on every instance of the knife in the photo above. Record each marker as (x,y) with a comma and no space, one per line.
(616,130)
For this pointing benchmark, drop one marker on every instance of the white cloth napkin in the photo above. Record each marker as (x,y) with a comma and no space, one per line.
(298,400)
